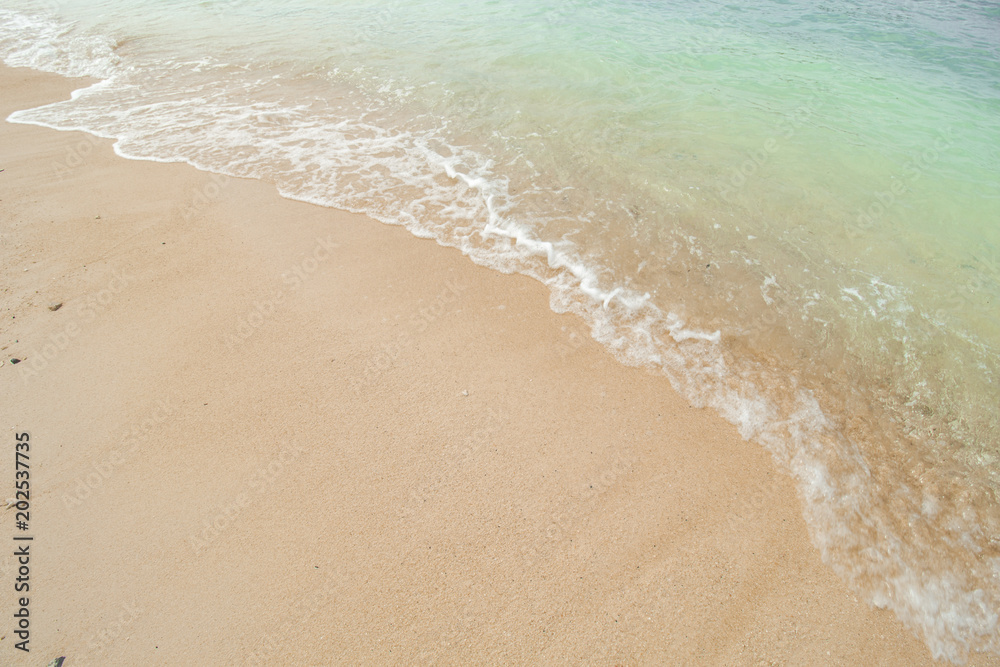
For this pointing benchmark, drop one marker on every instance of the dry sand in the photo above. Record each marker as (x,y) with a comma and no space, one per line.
(265,432)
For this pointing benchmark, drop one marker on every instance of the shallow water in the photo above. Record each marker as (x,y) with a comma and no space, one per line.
(792,211)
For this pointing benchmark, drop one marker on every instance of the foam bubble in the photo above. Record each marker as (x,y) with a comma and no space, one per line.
(46,45)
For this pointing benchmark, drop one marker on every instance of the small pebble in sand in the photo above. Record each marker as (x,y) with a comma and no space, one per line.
(15,360)
(465,392)
(55,306)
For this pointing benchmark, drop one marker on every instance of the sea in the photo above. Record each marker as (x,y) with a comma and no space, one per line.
(789,208)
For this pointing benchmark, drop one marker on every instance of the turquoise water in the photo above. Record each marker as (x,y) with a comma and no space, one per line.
(792,210)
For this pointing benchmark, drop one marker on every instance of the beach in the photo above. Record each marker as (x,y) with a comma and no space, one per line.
(268,432)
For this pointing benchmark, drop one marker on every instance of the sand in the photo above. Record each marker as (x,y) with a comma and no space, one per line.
(265,432)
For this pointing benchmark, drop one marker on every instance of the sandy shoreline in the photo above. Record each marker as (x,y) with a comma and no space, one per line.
(264,432)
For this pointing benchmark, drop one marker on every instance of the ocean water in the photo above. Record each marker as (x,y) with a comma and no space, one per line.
(791,209)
